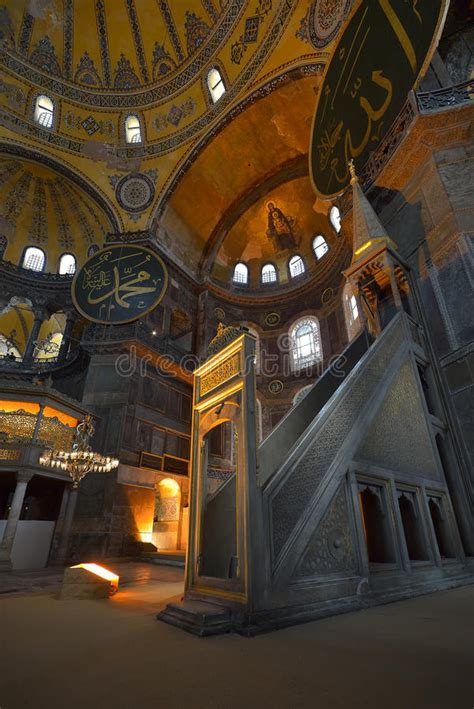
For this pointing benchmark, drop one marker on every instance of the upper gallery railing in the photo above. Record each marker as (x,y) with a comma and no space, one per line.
(17,364)
(446,97)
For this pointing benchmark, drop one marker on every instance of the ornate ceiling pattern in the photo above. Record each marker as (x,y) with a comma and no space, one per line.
(40,208)
(99,60)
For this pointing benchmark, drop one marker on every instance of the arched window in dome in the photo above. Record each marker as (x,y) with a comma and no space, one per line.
(67,265)
(44,111)
(305,343)
(269,274)
(320,246)
(133,133)
(241,274)
(351,311)
(34,259)
(93,249)
(215,84)
(296,266)
(335,219)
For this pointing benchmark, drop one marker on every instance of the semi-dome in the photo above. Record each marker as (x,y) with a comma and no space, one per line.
(43,209)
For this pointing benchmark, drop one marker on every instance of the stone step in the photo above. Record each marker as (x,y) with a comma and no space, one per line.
(198,617)
(166,557)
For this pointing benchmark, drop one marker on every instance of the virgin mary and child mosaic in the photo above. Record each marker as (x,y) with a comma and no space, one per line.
(281,229)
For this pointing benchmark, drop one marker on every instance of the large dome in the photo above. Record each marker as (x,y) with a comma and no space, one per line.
(101,62)
(111,46)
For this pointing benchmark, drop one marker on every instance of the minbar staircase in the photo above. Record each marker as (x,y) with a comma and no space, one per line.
(364,422)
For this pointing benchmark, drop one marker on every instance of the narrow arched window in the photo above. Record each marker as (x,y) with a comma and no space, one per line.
(93,249)
(296,266)
(320,246)
(335,219)
(305,342)
(269,274)
(34,259)
(133,133)
(241,274)
(67,265)
(44,111)
(353,307)
(215,84)
(351,311)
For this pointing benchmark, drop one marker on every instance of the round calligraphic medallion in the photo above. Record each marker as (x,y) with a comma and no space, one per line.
(325,19)
(119,284)
(272,319)
(378,59)
(135,192)
(327,295)
(275,386)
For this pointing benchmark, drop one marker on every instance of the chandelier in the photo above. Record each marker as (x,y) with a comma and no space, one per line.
(81,459)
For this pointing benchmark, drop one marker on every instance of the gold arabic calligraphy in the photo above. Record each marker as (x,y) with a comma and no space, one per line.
(121,284)
(330,140)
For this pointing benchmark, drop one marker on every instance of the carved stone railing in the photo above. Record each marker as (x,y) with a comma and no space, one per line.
(38,278)
(22,453)
(41,289)
(37,366)
(97,336)
(445,98)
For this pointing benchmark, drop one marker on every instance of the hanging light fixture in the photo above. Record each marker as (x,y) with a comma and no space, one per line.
(81,459)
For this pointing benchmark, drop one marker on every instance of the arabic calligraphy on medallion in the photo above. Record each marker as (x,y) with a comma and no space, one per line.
(377,61)
(119,284)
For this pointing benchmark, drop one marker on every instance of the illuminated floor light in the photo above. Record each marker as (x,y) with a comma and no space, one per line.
(102,572)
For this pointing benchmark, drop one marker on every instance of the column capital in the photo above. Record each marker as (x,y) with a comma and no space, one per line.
(39,312)
(24,476)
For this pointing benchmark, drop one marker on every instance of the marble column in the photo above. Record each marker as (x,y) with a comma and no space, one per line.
(39,418)
(63,548)
(66,341)
(33,336)
(58,530)
(6,545)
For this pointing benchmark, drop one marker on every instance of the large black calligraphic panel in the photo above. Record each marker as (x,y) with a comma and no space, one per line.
(382,52)
(119,284)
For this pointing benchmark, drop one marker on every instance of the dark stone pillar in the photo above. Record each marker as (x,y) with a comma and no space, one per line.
(33,336)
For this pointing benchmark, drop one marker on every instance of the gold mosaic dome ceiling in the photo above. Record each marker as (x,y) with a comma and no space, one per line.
(115,45)
(39,207)
(101,60)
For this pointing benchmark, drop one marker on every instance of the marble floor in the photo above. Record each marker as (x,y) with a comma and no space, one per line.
(50,578)
(415,654)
